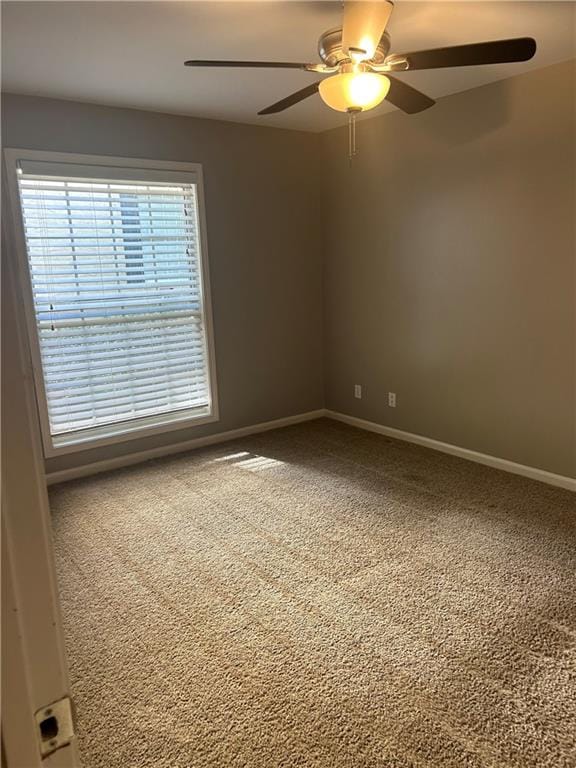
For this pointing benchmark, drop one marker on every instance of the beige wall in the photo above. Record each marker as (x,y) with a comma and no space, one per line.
(264,240)
(450,266)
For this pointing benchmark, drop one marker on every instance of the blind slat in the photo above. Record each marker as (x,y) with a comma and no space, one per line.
(121,292)
(66,284)
(64,398)
(128,417)
(82,405)
(106,264)
(136,329)
(96,342)
(93,313)
(114,379)
(109,257)
(109,359)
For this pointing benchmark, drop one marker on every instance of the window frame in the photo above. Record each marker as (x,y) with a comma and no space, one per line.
(96,437)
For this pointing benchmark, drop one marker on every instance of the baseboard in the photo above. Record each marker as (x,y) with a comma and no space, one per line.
(167,450)
(94,468)
(464,453)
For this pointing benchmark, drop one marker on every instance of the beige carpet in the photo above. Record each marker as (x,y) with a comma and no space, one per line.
(319,596)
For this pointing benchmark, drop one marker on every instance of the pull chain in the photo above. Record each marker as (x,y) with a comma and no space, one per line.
(352,152)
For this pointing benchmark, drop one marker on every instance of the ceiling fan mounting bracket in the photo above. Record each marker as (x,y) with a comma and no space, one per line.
(331,52)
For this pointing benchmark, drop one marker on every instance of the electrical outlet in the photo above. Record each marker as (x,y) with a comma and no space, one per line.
(392,399)
(358,391)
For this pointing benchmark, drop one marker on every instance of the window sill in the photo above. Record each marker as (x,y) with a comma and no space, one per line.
(127,431)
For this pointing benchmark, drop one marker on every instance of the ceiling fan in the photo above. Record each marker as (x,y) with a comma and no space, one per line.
(358,61)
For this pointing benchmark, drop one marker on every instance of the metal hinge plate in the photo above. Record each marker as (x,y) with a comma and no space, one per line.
(55,724)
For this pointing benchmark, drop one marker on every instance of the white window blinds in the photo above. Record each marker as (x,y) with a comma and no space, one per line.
(117,284)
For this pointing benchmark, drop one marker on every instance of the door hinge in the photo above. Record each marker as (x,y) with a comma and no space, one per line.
(55,724)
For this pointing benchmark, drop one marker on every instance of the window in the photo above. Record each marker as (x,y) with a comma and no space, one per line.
(119,297)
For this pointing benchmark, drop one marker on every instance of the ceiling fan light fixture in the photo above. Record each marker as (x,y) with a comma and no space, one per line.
(354,91)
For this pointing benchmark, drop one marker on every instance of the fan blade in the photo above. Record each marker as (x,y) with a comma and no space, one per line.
(364,25)
(289,101)
(495,52)
(258,64)
(406,98)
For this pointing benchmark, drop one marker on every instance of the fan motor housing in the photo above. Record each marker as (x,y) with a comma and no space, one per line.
(331,53)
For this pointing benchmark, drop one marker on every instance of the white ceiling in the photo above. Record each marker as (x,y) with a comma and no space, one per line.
(131,53)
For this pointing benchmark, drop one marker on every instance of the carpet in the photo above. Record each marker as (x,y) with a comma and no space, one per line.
(319,596)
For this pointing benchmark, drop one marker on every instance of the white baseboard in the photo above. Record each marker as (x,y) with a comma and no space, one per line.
(166,450)
(464,453)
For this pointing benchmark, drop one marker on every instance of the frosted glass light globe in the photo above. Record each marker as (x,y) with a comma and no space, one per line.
(354,90)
